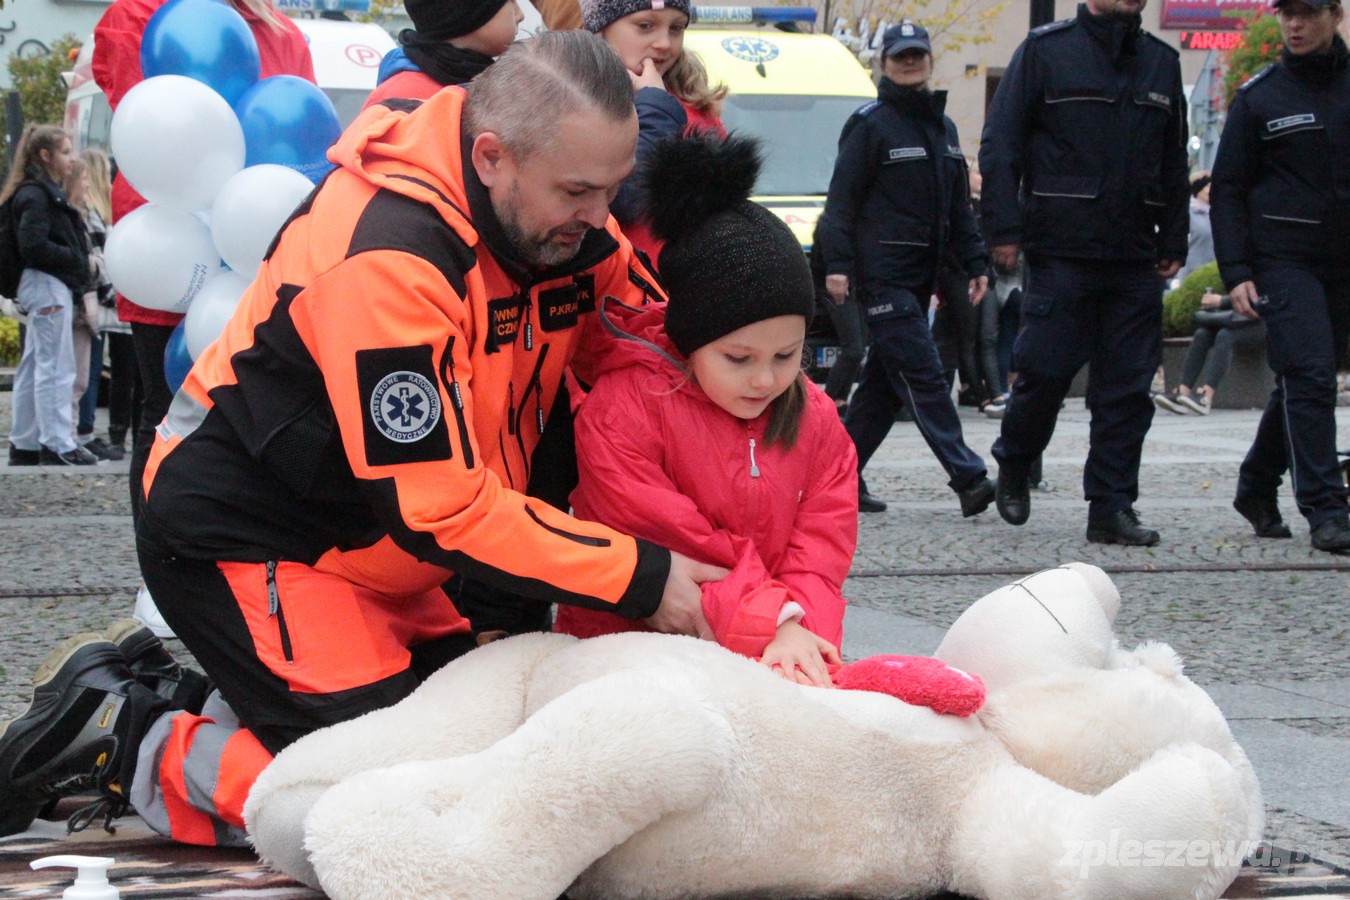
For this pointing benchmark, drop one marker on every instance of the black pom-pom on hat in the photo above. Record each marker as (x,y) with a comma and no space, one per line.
(727,261)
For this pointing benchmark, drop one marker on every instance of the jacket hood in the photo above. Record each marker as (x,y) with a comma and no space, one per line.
(413,150)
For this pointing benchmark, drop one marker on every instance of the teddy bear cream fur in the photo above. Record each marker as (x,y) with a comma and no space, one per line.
(650,766)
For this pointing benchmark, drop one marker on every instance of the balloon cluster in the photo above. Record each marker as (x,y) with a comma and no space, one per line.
(223,159)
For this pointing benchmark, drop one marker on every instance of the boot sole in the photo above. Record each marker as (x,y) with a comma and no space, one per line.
(1095,536)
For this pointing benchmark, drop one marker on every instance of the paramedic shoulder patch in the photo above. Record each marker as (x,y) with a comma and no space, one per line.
(403,418)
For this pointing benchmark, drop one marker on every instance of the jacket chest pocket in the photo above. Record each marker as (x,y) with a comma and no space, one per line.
(1297,140)
(1078,104)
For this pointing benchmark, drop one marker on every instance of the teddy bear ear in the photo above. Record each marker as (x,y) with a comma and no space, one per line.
(1100,585)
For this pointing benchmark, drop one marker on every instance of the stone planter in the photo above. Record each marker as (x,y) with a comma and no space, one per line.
(1246,386)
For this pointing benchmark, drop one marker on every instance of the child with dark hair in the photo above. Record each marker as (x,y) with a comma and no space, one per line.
(702,431)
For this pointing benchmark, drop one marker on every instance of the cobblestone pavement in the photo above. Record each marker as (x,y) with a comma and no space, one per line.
(1262,624)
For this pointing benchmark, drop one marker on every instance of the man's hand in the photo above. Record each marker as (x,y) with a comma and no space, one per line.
(978,288)
(837,287)
(647,77)
(1005,256)
(1210,300)
(1168,267)
(1244,298)
(681,609)
(800,656)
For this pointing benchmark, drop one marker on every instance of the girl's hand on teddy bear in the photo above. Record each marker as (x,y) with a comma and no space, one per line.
(798,655)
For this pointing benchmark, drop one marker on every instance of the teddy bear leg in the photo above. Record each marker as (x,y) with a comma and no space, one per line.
(1176,827)
(465,707)
(521,820)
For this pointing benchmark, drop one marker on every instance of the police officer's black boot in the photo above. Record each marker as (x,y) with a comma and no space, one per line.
(1120,526)
(1333,536)
(866,502)
(976,498)
(1264,514)
(73,739)
(1013,494)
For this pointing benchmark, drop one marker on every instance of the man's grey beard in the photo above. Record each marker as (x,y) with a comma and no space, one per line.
(540,254)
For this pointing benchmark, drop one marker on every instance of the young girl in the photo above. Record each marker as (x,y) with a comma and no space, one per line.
(670,87)
(56,270)
(703,434)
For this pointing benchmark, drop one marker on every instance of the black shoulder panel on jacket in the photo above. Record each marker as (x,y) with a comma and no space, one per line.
(392,221)
(1257,77)
(399,104)
(1052,27)
(301,210)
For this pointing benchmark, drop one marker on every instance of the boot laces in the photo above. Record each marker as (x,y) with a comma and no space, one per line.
(107,807)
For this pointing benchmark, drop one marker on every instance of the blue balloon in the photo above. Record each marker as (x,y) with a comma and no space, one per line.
(205,40)
(177,360)
(290,122)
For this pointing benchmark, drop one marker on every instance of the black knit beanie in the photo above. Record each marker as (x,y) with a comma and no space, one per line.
(727,262)
(441,20)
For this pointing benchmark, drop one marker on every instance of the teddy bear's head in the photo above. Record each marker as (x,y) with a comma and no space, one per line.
(1056,620)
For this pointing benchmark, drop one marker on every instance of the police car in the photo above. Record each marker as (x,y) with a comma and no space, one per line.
(794,91)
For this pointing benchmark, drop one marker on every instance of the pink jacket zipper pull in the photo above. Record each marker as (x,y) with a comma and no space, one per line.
(754,468)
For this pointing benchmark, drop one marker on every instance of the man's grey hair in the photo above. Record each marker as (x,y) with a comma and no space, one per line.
(523,95)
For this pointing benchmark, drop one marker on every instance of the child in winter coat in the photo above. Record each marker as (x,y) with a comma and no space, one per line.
(703,433)
(54,253)
(670,89)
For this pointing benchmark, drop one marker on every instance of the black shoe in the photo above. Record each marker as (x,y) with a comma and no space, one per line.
(1013,496)
(1121,527)
(1333,536)
(976,498)
(967,397)
(19,457)
(116,452)
(155,668)
(869,504)
(77,457)
(1264,514)
(98,447)
(72,738)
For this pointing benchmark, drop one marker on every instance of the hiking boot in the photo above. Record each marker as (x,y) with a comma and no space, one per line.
(1121,526)
(1013,496)
(76,457)
(1264,514)
(1333,536)
(72,738)
(155,668)
(976,498)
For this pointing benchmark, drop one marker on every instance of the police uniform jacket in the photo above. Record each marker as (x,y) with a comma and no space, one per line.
(371,408)
(900,194)
(1083,154)
(1281,188)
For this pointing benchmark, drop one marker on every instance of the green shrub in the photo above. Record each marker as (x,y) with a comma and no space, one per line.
(1180,305)
(9,342)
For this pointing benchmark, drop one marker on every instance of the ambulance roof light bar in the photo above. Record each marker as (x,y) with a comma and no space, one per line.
(751,15)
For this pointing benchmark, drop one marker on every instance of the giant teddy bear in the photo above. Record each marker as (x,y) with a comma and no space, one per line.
(644,765)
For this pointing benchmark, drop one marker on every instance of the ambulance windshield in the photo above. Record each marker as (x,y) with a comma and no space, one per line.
(800,135)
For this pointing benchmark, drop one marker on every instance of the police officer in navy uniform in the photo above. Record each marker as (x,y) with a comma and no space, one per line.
(1281,212)
(1084,166)
(899,199)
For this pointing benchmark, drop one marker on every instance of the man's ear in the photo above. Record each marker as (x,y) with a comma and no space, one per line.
(489,157)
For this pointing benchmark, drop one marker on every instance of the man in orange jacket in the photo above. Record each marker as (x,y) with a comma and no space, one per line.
(362,428)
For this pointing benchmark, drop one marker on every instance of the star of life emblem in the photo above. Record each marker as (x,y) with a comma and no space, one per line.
(405,406)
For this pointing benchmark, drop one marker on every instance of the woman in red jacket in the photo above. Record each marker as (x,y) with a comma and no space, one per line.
(117,69)
(704,433)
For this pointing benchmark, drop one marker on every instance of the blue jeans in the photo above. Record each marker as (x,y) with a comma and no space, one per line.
(1076,312)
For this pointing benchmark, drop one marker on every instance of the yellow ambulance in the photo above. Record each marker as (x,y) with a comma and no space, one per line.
(791,89)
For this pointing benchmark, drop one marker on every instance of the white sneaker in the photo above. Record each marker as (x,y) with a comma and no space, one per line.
(149,616)
(1171,402)
(1195,404)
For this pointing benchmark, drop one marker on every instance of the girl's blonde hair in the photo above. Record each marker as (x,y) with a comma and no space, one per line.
(785,414)
(100,182)
(688,80)
(72,181)
(36,138)
(263,9)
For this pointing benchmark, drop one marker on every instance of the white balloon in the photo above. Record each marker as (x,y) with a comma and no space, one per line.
(160,258)
(251,208)
(176,141)
(212,308)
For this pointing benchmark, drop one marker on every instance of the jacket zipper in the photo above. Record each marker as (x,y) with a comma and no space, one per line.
(533,385)
(274,609)
(754,467)
(456,400)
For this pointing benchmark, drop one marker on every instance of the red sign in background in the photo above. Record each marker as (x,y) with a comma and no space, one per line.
(1210,15)
(1210,40)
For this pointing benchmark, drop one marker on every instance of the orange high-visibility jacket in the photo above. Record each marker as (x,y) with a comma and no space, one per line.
(372,406)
